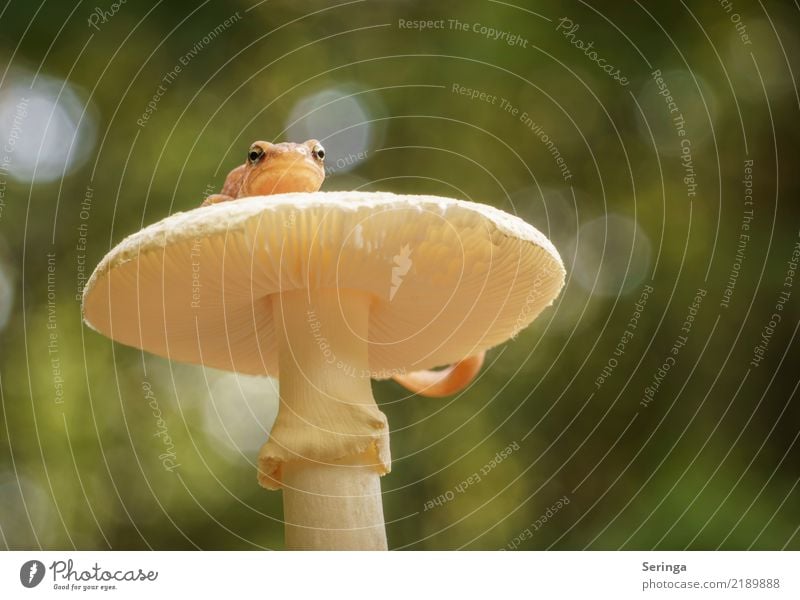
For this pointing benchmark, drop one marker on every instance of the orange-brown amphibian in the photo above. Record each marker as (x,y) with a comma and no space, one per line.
(290,167)
(274,169)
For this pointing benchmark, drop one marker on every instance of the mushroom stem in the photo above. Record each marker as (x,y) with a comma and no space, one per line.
(330,443)
(333,507)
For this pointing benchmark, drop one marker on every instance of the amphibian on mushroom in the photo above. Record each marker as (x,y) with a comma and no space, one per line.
(291,167)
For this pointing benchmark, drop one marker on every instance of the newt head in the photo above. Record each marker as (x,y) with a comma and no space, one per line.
(282,168)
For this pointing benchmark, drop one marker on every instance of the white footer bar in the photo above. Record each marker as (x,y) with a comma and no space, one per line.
(402,575)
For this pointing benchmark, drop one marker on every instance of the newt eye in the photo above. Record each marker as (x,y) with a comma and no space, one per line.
(255,154)
(318,152)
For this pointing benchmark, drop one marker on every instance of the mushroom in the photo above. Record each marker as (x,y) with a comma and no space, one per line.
(326,291)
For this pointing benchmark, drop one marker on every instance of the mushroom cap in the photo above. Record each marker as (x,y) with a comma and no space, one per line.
(449,278)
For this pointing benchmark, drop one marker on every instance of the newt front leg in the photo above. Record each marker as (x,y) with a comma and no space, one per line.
(216,199)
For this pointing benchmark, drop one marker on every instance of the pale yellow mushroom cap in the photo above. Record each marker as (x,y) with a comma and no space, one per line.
(448,278)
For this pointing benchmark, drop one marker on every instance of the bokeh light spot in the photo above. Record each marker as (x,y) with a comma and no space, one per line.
(241,411)
(45,131)
(338,118)
(604,248)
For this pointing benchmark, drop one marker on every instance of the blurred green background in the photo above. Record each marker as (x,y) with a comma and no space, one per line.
(101,135)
